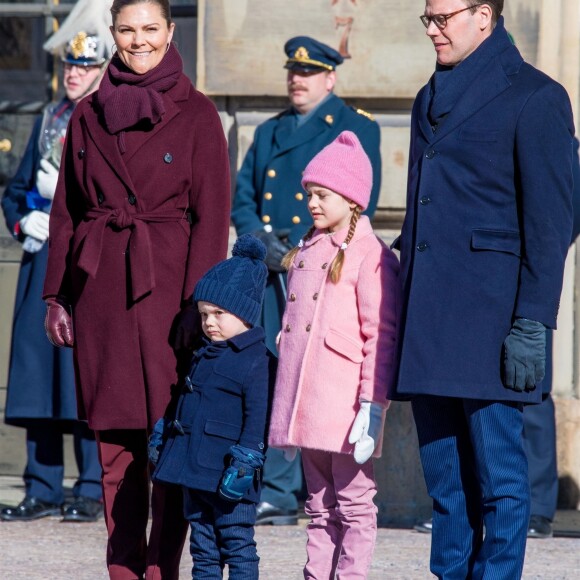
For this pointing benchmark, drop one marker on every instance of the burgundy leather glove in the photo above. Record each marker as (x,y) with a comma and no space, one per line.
(58,322)
(187,328)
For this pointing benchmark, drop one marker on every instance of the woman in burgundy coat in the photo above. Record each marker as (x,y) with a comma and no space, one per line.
(141,211)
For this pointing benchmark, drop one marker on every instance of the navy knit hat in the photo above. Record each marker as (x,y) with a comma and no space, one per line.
(237,284)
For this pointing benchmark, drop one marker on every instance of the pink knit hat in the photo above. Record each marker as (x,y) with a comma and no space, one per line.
(343,167)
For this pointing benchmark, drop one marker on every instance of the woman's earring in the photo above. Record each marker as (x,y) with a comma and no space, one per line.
(113,48)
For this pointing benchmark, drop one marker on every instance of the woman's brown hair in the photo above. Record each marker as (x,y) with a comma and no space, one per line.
(164,7)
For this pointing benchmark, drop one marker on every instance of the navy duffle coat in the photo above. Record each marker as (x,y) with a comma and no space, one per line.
(227,404)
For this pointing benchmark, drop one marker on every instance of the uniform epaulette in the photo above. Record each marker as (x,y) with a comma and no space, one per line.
(363,113)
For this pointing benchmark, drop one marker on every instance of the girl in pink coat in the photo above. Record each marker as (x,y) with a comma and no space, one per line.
(337,349)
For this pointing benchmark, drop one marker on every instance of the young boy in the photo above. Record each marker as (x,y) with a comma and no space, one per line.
(214,447)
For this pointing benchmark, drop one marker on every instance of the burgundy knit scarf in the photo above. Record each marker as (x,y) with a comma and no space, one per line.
(127,98)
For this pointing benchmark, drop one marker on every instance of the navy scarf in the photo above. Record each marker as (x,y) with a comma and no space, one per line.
(448,84)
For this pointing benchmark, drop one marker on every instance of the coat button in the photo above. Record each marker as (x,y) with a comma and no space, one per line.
(271,173)
(422,246)
(132,199)
(287,329)
(430,154)
(299,196)
(292,297)
(81,153)
(301,264)
(100,198)
(425,200)
(308,327)
(295,220)
(266,219)
(268,196)
(315,297)
(168,158)
(324,266)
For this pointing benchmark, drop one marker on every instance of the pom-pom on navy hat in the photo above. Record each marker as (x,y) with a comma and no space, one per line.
(309,55)
(237,284)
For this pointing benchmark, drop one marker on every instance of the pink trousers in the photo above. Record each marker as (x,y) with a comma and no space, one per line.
(343,525)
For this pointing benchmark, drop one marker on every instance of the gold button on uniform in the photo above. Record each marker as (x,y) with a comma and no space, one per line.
(301,264)
(295,220)
(271,173)
(299,196)
(308,327)
(292,297)
(325,265)
(266,219)
(268,196)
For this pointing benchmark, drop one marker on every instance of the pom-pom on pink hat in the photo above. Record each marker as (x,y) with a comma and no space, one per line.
(344,167)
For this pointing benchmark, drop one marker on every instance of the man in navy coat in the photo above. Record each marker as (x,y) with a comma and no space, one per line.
(483,246)
(270,202)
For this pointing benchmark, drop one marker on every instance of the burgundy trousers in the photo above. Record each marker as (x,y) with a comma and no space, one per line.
(125,479)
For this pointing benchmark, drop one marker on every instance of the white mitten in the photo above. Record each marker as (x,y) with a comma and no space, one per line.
(35,224)
(365,430)
(46,178)
(290,453)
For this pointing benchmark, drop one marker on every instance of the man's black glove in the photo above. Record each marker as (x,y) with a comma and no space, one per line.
(525,355)
(277,246)
(239,476)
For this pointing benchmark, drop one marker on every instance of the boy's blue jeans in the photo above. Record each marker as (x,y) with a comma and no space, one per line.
(222,533)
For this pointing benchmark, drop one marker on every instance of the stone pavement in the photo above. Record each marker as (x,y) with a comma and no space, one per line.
(50,550)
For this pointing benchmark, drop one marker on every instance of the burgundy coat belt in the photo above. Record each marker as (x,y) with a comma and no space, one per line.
(140,251)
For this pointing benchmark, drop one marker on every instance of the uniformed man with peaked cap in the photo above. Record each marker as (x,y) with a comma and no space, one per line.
(270,202)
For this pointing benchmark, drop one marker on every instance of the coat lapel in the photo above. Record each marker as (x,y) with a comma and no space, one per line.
(108,146)
(138,139)
(424,125)
(490,83)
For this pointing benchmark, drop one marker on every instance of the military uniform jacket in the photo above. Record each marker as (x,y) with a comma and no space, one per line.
(226,402)
(487,227)
(124,253)
(268,184)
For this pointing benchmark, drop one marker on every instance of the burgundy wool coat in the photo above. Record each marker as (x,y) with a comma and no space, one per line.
(124,253)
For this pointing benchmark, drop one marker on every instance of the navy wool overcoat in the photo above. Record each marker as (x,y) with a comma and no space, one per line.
(487,228)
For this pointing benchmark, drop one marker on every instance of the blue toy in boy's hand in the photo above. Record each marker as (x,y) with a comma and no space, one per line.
(239,476)
(157,440)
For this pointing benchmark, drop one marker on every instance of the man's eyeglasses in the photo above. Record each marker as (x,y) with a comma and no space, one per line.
(440,20)
(82,70)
